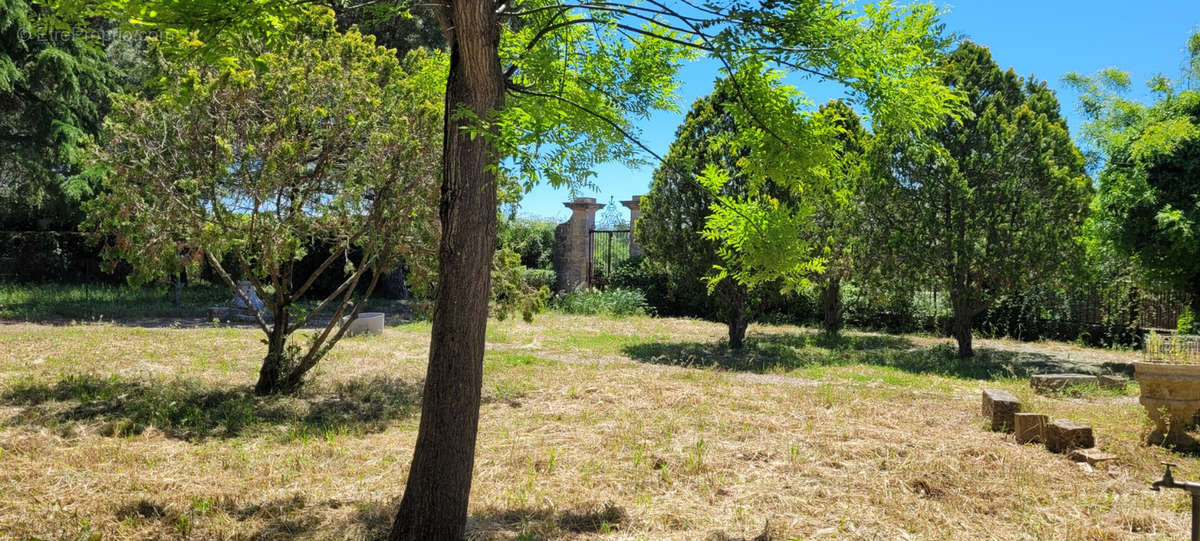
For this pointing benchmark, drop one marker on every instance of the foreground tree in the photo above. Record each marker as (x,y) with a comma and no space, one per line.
(989,203)
(1148,202)
(324,139)
(576,74)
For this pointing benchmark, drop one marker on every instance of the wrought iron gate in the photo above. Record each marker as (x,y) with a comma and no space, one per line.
(607,250)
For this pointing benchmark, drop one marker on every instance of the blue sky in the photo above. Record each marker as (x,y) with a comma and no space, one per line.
(1046,39)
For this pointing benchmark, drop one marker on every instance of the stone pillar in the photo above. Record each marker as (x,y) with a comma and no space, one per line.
(635,211)
(571,243)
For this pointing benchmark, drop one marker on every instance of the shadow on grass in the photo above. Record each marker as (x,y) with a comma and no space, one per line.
(297,515)
(796,351)
(279,518)
(164,316)
(188,410)
(534,523)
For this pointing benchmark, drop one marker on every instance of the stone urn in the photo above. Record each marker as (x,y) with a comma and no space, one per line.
(1171,395)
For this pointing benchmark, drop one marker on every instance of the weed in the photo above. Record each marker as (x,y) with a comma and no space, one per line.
(614,302)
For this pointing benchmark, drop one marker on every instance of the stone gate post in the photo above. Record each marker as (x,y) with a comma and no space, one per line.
(635,211)
(571,239)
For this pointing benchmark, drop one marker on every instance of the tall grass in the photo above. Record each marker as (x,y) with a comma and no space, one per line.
(614,302)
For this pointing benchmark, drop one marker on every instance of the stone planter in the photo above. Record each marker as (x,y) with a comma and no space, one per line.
(365,323)
(1171,395)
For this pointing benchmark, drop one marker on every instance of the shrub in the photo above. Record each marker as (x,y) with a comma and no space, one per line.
(637,274)
(537,278)
(616,302)
(532,240)
(54,256)
(1187,322)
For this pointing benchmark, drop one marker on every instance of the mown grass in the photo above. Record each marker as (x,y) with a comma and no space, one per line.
(59,303)
(186,409)
(90,302)
(592,428)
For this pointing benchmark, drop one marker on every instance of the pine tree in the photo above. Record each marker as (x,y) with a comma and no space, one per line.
(991,202)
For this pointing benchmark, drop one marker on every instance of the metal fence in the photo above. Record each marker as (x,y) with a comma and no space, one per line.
(1141,309)
(1171,348)
(607,250)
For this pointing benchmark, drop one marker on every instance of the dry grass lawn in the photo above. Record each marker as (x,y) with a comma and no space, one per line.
(592,428)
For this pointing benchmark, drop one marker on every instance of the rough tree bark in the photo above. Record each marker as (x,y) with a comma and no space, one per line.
(831,308)
(736,302)
(961,329)
(434,506)
(738,323)
(271,373)
(964,317)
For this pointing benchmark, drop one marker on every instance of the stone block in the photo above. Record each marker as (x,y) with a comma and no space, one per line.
(1042,383)
(1113,382)
(999,407)
(1091,455)
(226,314)
(1063,436)
(1030,427)
(219,313)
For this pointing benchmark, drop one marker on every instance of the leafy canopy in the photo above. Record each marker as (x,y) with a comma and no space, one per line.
(793,161)
(990,202)
(326,140)
(1148,205)
(677,205)
(53,89)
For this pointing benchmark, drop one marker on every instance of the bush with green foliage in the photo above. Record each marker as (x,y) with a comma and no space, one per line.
(1148,203)
(538,278)
(637,273)
(615,302)
(1187,322)
(532,240)
(511,291)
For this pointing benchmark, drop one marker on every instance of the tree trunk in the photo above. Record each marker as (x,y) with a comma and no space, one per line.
(961,328)
(434,506)
(736,300)
(831,307)
(271,375)
(176,288)
(738,323)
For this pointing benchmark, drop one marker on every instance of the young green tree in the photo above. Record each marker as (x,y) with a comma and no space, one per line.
(53,94)
(794,222)
(989,203)
(543,90)
(676,207)
(1148,203)
(322,138)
